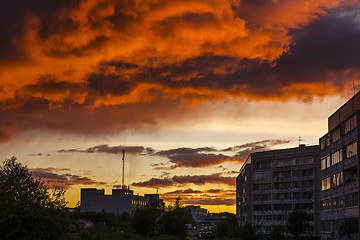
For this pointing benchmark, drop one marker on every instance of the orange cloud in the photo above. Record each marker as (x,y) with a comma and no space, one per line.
(138,61)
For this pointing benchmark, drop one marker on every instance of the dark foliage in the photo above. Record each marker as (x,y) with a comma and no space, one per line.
(297,223)
(229,229)
(146,221)
(108,219)
(174,219)
(277,232)
(28,208)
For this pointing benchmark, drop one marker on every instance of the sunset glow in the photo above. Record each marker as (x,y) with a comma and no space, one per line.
(187,88)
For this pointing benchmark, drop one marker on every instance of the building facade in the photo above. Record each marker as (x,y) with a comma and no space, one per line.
(197,212)
(122,200)
(272,184)
(339,172)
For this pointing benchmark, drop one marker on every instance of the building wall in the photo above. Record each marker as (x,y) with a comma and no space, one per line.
(121,200)
(197,212)
(339,170)
(272,184)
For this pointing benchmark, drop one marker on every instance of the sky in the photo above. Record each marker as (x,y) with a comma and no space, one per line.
(187,88)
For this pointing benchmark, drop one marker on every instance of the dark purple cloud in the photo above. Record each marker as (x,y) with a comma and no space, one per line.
(64,181)
(215,178)
(113,150)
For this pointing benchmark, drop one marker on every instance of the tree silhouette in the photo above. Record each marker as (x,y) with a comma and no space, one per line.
(175,218)
(298,221)
(29,209)
(146,221)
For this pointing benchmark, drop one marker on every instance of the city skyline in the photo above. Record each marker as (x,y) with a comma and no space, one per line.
(188,90)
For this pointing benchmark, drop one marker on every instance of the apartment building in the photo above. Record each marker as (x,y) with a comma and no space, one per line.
(339,172)
(272,184)
(120,201)
(197,212)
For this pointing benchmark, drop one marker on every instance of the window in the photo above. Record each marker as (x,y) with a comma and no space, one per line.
(337,157)
(335,135)
(266,186)
(282,196)
(304,161)
(323,142)
(325,163)
(303,195)
(337,202)
(351,200)
(303,206)
(325,184)
(262,175)
(282,207)
(326,226)
(262,217)
(280,217)
(337,179)
(262,197)
(303,184)
(286,185)
(325,204)
(282,175)
(350,124)
(262,208)
(303,173)
(261,165)
(351,149)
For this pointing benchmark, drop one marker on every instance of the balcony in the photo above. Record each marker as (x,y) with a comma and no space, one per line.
(281,179)
(280,168)
(337,167)
(352,212)
(350,137)
(262,180)
(305,189)
(351,187)
(351,162)
(325,194)
(278,201)
(336,146)
(300,167)
(332,214)
(260,202)
(302,178)
(282,211)
(304,200)
(259,191)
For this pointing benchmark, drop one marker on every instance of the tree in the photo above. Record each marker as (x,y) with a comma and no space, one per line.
(28,208)
(277,232)
(298,222)
(348,227)
(247,232)
(146,221)
(175,218)
(228,227)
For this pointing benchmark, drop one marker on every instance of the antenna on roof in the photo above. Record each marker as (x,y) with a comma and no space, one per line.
(301,140)
(123,170)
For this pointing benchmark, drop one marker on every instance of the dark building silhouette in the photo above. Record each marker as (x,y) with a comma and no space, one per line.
(122,200)
(339,172)
(272,184)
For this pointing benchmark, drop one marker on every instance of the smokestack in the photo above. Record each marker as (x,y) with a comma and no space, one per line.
(123,170)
